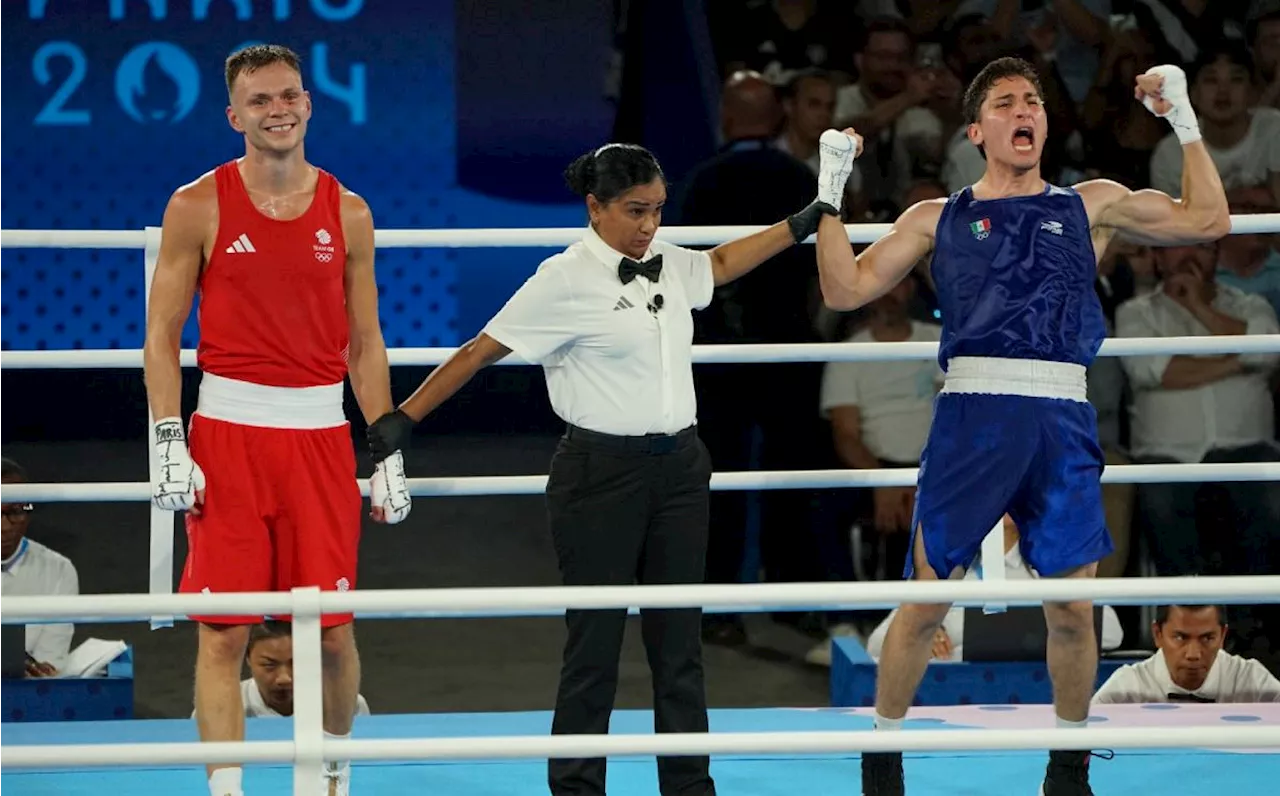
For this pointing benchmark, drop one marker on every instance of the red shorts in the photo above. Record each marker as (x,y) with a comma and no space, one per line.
(281,509)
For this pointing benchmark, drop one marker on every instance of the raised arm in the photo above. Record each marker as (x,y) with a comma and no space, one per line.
(367,362)
(186,225)
(849,282)
(1152,217)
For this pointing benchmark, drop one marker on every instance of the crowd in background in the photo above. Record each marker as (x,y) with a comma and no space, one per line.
(895,70)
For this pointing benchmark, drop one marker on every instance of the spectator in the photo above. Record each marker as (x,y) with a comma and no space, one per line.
(902,139)
(780,37)
(1243,140)
(31,569)
(1202,409)
(269,691)
(948,640)
(808,105)
(880,414)
(772,304)
(1250,262)
(1190,665)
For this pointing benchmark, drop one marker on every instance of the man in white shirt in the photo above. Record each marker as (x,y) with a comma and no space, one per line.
(1243,141)
(1190,665)
(1201,408)
(31,569)
(1191,409)
(269,691)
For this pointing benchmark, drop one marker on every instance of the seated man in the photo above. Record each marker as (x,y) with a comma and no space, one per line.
(948,641)
(31,569)
(269,692)
(1190,665)
(1190,409)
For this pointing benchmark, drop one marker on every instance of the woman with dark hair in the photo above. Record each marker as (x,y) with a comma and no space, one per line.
(609,321)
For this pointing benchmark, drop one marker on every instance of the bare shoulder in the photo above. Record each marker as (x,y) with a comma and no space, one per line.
(197,198)
(1100,194)
(353,206)
(191,216)
(921,218)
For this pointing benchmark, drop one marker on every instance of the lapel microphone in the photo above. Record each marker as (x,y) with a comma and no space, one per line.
(656,304)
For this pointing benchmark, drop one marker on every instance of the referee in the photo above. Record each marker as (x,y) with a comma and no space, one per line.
(609,321)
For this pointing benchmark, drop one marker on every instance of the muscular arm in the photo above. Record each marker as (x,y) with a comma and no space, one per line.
(452,374)
(185,227)
(849,282)
(367,364)
(1156,219)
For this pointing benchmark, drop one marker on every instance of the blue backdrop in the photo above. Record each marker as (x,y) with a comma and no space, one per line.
(440,114)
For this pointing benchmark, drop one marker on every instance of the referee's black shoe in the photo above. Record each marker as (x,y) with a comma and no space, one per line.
(882,774)
(1067,774)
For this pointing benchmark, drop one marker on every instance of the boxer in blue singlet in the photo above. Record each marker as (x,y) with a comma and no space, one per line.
(1014,260)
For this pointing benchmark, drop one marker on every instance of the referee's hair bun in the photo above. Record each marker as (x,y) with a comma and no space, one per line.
(612,170)
(580,176)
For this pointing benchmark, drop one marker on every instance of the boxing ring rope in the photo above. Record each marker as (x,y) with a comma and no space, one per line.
(309,748)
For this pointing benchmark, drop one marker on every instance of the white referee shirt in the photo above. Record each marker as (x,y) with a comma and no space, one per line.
(35,570)
(1231,679)
(614,362)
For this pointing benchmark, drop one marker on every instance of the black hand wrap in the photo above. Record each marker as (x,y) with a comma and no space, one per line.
(388,434)
(805,223)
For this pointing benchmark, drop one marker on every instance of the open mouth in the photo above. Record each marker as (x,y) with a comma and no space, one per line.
(1024,140)
(278,129)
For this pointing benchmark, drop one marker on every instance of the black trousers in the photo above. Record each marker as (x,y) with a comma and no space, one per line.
(627,510)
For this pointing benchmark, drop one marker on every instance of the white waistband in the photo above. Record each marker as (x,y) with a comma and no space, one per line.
(1032,378)
(270,407)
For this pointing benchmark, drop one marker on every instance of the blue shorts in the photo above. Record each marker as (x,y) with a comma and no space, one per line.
(1037,459)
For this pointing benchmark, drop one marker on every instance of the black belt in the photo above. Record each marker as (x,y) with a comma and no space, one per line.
(649,443)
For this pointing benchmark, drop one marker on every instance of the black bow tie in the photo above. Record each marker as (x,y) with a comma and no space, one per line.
(1191,698)
(628,269)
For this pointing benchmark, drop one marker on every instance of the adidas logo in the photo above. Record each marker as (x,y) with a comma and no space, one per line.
(623,304)
(241,245)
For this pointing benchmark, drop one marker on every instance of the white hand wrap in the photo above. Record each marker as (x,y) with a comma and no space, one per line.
(1181,117)
(836,153)
(389,489)
(178,478)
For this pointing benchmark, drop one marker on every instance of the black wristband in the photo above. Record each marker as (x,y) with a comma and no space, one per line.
(805,223)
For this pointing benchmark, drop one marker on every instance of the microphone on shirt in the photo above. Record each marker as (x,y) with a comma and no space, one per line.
(656,304)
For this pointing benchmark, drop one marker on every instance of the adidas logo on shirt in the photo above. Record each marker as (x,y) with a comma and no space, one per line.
(241,245)
(623,304)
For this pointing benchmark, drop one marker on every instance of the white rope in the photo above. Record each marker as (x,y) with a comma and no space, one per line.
(745,353)
(666,744)
(469,486)
(486,238)
(555,600)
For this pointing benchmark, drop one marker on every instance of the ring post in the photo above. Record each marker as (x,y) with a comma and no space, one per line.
(308,693)
(161,563)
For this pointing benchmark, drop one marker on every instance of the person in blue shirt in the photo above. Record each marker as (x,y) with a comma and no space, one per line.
(1014,261)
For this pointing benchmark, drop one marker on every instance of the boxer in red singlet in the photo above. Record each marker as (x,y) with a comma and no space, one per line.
(282,256)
